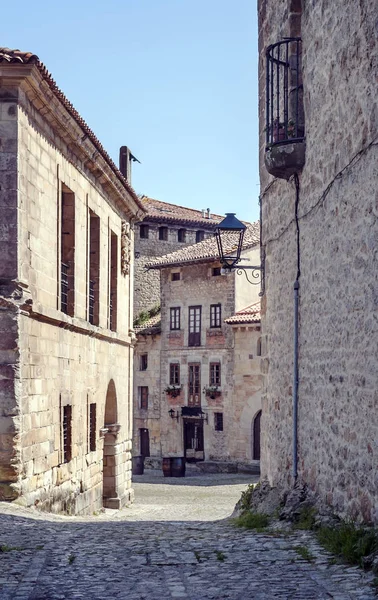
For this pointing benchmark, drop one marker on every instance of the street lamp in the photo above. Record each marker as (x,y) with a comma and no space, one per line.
(174,414)
(230,234)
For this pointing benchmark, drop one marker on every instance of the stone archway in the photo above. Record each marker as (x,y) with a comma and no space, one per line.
(256,426)
(111,428)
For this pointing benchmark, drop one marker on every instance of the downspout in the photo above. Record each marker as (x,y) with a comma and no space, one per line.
(296,339)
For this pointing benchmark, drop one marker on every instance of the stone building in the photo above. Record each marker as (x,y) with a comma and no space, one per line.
(66,357)
(190,398)
(165,228)
(318,173)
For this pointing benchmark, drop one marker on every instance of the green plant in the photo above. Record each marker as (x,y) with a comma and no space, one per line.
(145,315)
(304,553)
(245,498)
(306,518)
(220,556)
(349,541)
(71,558)
(251,520)
(173,390)
(6,548)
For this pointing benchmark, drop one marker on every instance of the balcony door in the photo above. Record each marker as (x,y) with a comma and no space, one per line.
(194,338)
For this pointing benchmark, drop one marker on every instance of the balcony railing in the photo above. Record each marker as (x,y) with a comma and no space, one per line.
(284,91)
(91,301)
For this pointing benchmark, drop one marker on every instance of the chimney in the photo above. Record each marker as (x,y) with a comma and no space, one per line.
(208,213)
(203,213)
(125,162)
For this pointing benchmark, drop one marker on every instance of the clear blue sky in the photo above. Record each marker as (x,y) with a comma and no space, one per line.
(175,80)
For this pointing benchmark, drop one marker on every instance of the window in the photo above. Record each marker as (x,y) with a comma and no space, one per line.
(143,394)
(181,235)
(200,236)
(258,347)
(143,363)
(66,432)
(143,232)
(163,233)
(67,252)
(175,276)
(216,271)
(215,315)
(94,269)
(215,374)
(92,427)
(174,374)
(194,326)
(175,318)
(113,281)
(218,421)
(194,386)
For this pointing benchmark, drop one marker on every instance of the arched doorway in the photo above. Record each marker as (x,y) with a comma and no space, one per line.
(109,458)
(256,436)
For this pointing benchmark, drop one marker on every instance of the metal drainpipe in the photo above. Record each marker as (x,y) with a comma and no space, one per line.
(296,338)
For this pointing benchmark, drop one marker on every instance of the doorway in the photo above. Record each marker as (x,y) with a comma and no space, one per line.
(144,442)
(109,457)
(193,440)
(256,436)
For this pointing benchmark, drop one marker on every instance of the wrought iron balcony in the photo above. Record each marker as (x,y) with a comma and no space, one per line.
(284,129)
(64,287)
(91,302)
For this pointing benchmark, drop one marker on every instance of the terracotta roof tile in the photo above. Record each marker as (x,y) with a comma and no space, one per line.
(249,314)
(150,327)
(16,56)
(203,251)
(163,211)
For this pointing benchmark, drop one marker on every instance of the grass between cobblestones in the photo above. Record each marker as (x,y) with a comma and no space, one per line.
(251,520)
(351,542)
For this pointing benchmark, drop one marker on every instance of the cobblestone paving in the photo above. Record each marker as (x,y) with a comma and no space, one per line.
(170,544)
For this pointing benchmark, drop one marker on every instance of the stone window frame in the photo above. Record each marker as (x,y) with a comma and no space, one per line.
(163,233)
(113,280)
(143,397)
(258,347)
(215,315)
(181,235)
(65,410)
(215,373)
(200,235)
(143,361)
(144,231)
(216,271)
(174,374)
(66,250)
(176,276)
(175,318)
(218,421)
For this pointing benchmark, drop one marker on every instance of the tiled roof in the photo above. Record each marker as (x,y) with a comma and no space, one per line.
(163,211)
(16,56)
(249,314)
(150,327)
(204,251)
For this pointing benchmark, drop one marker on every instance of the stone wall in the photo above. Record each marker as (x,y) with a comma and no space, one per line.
(147,283)
(47,358)
(338,233)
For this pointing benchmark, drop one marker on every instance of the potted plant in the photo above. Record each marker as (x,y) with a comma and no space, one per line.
(212,391)
(173,390)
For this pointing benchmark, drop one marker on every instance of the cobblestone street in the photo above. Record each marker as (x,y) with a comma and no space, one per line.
(174,542)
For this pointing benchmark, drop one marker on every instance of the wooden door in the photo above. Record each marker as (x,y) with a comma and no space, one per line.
(193,440)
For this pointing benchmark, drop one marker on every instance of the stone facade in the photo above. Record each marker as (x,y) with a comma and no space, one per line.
(332,229)
(195,224)
(66,358)
(222,432)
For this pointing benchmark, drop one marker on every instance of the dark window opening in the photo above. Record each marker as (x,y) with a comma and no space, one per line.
(143,232)
(215,315)
(67,256)
(216,271)
(218,421)
(143,397)
(194,338)
(174,374)
(194,385)
(163,233)
(113,281)
(181,235)
(92,427)
(215,374)
(258,347)
(143,362)
(67,433)
(175,318)
(144,442)
(94,269)
(175,276)
(200,236)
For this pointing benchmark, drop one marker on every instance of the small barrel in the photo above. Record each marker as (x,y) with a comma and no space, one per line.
(178,467)
(138,465)
(167,467)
